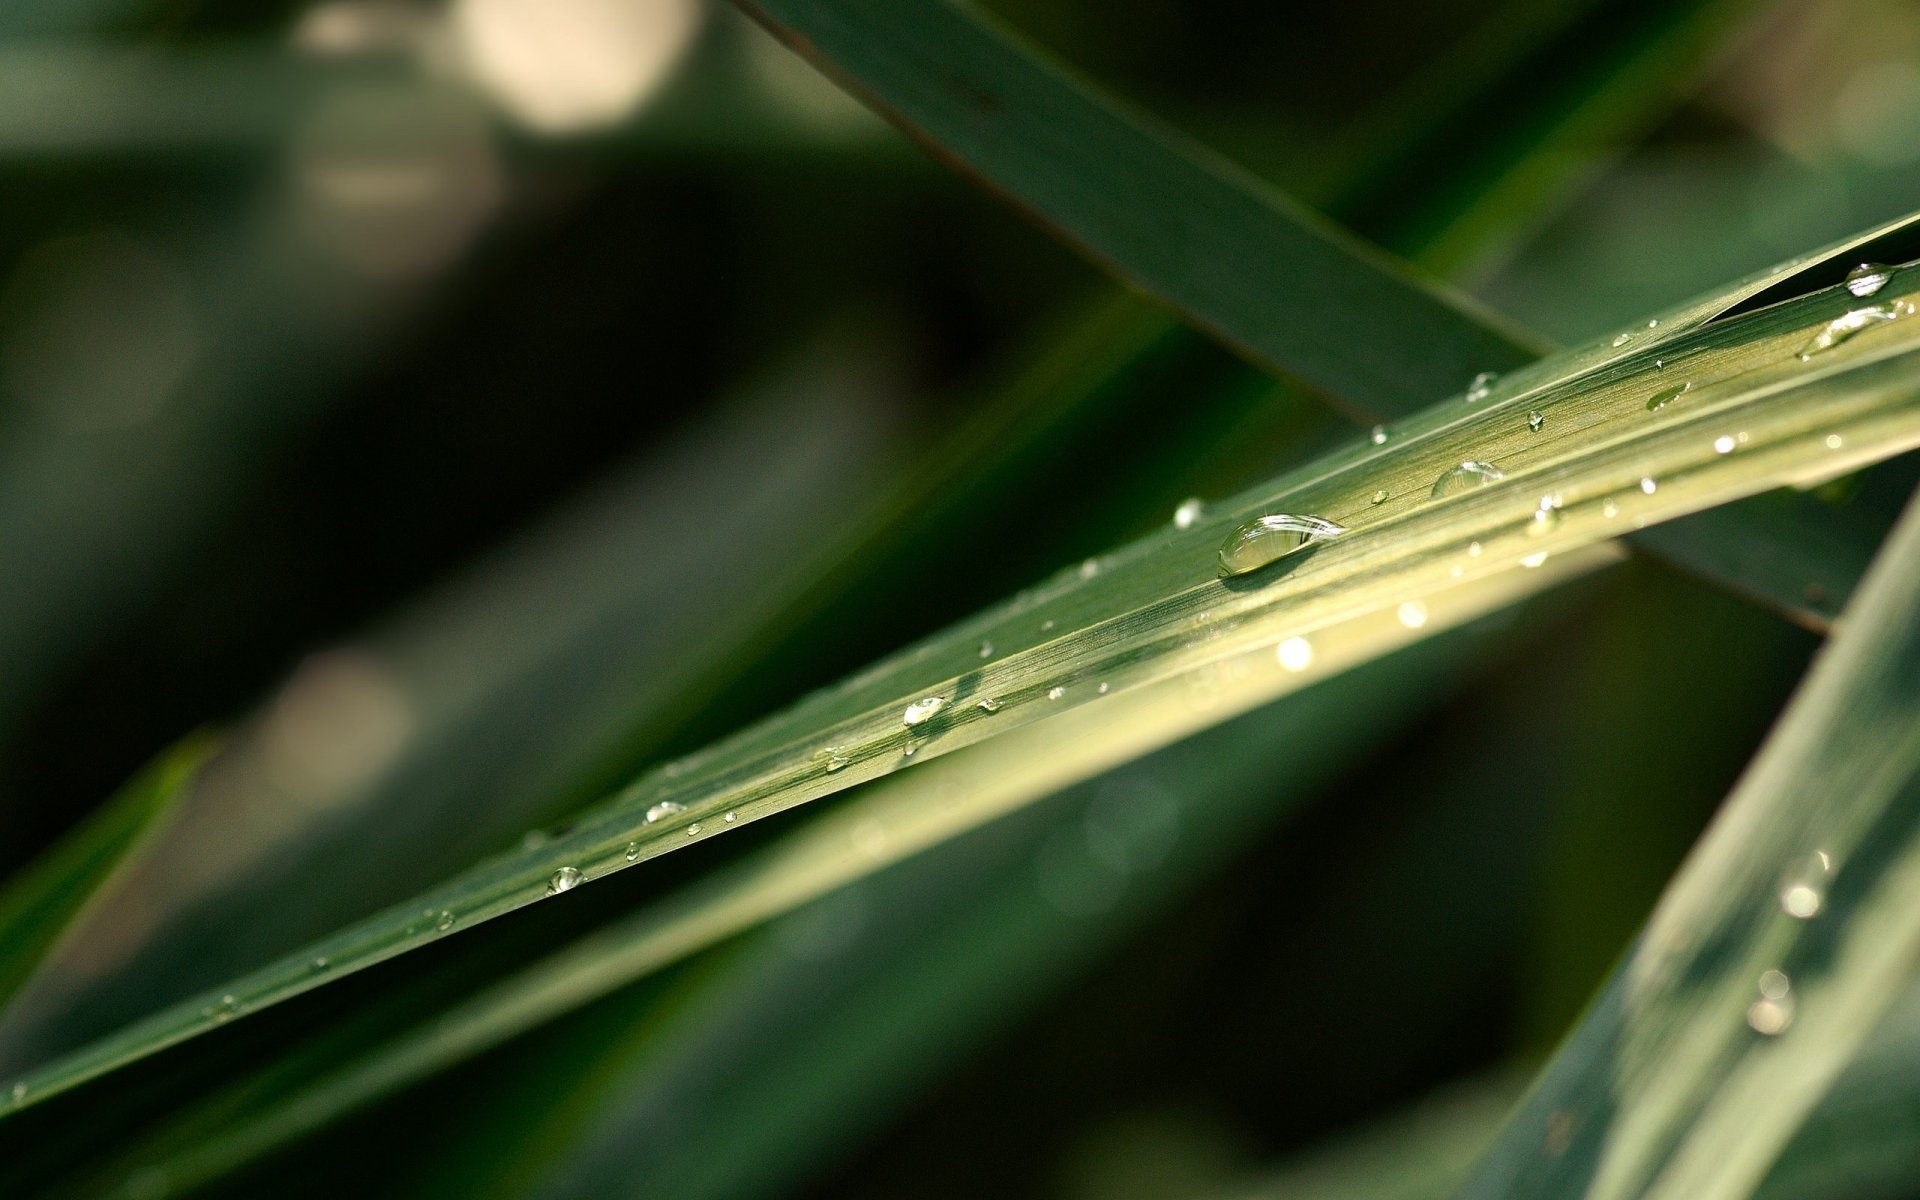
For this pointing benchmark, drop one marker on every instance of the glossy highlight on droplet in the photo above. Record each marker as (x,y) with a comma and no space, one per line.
(923,710)
(1468,475)
(1843,328)
(1268,539)
(663,810)
(1868,278)
(563,880)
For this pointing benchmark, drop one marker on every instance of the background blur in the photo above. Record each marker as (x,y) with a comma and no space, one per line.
(468,404)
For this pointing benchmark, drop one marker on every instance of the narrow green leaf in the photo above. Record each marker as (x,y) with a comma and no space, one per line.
(43,901)
(1599,462)
(1779,946)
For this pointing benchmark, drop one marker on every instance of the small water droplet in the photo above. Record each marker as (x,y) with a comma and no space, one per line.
(1295,654)
(444,921)
(1473,549)
(1666,396)
(1773,1011)
(987,704)
(921,711)
(1089,568)
(1774,984)
(19,1094)
(1843,327)
(1465,477)
(1623,339)
(693,830)
(1054,693)
(731,817)
(1649,485)
(1270,538)
(836,761)
(533,839)
(1378,435)
(1546,515)
(1380,497)
(1533,561)
(1834,441)
(319,963)
(1482,386)
(1046,625)
(1103,689)
(1723,445)
(1659,364)
(1868,278)
(1188,513)
(1653,323)
(908,752)
(1413,614)
(1536,420)
(563,880)
(224,1009)
(1609,510)
(986,649)
(633,851)
(1800,900)
(663,810)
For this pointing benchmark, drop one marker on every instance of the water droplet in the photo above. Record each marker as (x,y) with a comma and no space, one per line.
(1800,900)
(1188,513)
(1623,339)
(1774,984)
(1773,1011)
(693,830)
(1666,396)
(1659,364)
(444,921)
(1546,516)
(921,711)
(1533,561)
(633,851)
(1413,614)
(1271,538)
(1295,654)
(1103,689)
(986,649)
(1380,497)
(1723,445)
(1834,441)
(1609,510)
(1653,323)
(1649,485)
(563,880)
(1868,278)
(663,810)
(1046,625)
(1089,568)
(908,752)
(987,704)
(533,839)
(1536,420)
(836,761)
(1378,435)
(19,1094)
(1465,477)
(224,1009)
(1482,386)
(1054,693)
(731,817)
(1473,549)
(1843,327)
(319,963)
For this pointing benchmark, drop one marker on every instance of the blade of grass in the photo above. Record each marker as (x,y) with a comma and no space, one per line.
(1774,953)
(892,823)
(1267,276)
(1157,610)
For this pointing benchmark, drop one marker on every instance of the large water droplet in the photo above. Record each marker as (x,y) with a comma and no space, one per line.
(1188,513)
(1843,327)
(1868,278)
(921,711)
(1271,538)
(1482,386)
(1465,477)
(663,810)
(1295,654)
(1666,396)
(563,880)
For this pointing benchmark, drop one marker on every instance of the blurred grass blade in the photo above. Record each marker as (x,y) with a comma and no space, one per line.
(1775,952)
(1756,414)
(42,902)
(886,828)
(1268,276)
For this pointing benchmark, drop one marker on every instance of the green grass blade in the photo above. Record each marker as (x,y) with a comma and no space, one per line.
(1776,950)
(42,902)
(1158,610)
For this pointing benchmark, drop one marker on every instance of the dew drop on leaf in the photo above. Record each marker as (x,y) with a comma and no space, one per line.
(1271,538)
(921,711)
(1482,386)
(1843,327)
(987,704)
(1536,420)
(1868,278)
(563,880)
(663,810)
(1188,513)
(1666,396)
(1465,477)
